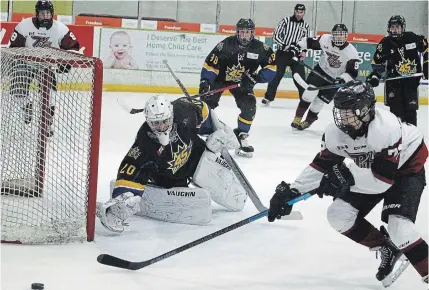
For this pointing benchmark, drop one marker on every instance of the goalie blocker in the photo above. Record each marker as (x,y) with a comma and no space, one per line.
(167,153)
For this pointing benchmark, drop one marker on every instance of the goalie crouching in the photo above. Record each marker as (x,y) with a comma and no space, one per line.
(167,155)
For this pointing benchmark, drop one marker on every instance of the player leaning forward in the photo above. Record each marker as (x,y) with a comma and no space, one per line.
(166,156)
(389,159)
(35,32)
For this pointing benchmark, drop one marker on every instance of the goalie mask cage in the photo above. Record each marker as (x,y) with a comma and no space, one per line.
(49,137)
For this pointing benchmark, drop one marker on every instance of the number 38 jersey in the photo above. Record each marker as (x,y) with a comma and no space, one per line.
(227,62)
(28,34)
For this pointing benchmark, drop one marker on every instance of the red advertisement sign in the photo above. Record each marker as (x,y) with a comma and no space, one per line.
(178,26)
(98,21)
(84,34)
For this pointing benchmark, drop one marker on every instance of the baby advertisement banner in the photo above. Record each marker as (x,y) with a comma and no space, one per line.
(145,50)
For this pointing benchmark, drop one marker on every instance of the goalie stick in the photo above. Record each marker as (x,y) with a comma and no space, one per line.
(113,261)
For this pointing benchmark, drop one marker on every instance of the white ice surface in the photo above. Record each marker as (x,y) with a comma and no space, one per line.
(290,255)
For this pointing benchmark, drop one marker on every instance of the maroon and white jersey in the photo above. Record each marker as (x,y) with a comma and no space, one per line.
(389,149)
(28,34)
(334,60)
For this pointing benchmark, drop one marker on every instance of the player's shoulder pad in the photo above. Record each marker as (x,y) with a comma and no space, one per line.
(325,39)
(24,25)
(331,136)
(384,130)
(60,27)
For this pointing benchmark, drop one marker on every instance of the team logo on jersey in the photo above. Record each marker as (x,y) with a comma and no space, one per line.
(333,60)
(362,159)
(266,47)
(180,157)
(134,153)
(41,41)
(406,67)
(219,46)
(233,74)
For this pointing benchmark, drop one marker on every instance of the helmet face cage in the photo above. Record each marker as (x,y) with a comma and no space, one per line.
(245,31)
(44,6)
(396,26)
(354,108)
(339,37)
(161,125)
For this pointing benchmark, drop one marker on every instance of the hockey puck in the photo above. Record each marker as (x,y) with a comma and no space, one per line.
(37,286)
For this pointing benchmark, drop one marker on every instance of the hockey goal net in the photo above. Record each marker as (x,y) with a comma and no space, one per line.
(49,136)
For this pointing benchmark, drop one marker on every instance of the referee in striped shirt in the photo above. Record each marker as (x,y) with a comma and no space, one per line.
(290,30)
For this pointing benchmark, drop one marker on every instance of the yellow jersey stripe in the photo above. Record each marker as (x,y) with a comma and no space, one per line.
(130,184)
(210,68)
(245,121)
(272,67)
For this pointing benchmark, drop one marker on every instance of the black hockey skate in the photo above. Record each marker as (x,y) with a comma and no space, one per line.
(296,122)
(265,102)
(245,149)
(393,261)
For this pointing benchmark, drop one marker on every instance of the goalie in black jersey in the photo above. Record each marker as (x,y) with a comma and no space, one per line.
(166,156)
(235,60)
(398,54)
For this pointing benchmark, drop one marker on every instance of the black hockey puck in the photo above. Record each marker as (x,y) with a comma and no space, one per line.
(37,286)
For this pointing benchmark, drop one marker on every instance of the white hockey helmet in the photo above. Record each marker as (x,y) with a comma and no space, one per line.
(159,116)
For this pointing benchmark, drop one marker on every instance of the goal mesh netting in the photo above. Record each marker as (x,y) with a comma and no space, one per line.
(49,136)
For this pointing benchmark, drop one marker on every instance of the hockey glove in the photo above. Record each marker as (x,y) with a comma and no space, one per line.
(339,81)
(336,181)
(373,79)
(294,50)
(248,81)
(278,203)
(205,85)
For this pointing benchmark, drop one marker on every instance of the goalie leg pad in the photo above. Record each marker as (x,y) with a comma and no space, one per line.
(214,174)
(177,205)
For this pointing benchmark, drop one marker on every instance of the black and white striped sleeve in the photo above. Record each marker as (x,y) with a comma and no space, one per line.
(279,33)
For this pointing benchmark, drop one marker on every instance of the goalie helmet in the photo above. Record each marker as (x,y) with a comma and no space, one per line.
(339,34)
(396,26)
(44,20)
(159,116)
(354,108)
(245,31)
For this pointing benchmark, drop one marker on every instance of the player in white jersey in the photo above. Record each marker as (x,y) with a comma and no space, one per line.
(389,158)
(339,62)
(40,31)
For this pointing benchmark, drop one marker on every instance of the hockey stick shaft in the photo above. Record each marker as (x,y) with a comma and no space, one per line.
(306,86)
(136,111)
(113,261)
(330,81)
(176,78)
(405,77)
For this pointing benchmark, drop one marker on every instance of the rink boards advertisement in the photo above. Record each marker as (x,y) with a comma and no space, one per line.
(185,52)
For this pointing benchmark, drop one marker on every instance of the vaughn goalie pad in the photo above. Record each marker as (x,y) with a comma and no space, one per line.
(214,174)
(177,205)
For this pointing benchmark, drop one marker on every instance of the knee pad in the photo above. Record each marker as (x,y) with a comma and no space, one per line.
(214,174)
(317,105)
(309,96)
(342,215)
(402,231)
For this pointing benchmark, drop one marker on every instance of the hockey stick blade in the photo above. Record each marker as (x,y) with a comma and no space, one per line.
(113,261)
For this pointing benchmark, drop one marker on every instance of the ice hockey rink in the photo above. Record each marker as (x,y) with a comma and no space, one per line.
(292,255)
